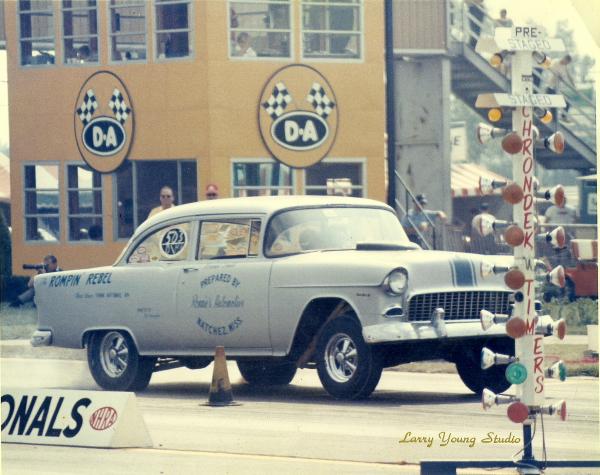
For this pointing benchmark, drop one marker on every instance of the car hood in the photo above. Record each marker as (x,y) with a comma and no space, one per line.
(444,271)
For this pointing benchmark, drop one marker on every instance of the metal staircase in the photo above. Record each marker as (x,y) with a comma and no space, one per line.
(472,73)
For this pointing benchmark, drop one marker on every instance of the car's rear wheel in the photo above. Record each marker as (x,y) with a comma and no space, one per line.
(115,363)
(468,365)
(348,368)
(267,373)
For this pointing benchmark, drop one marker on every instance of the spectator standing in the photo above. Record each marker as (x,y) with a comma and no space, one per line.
(563,214)
(559,72)
(212,191)
(504,21)
(167,200)
(418,221)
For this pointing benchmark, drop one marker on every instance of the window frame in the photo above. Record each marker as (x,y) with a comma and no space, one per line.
(259,161)
(291,32)
(190,30)
(64,37)
(34,163)
(84,215)
(362,162)
(134,191)
(20,39)
(111,35)
(324,59)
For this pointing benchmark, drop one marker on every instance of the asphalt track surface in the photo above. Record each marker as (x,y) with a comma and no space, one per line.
(300,429)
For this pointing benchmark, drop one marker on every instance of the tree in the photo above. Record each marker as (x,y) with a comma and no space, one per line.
(5,255)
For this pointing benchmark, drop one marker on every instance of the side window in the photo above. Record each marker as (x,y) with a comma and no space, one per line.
(167,244)
(228,239)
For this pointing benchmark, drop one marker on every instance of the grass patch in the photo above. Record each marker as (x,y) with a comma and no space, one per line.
(17,323)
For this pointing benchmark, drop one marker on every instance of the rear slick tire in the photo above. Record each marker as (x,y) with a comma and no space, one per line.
(115,363)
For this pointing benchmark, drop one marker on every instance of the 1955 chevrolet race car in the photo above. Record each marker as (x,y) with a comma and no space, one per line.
(281,283)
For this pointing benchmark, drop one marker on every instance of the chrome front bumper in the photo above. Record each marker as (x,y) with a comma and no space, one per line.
(395,331)
(41,338)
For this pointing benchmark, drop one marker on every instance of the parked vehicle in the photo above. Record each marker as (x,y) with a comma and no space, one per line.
(331,283)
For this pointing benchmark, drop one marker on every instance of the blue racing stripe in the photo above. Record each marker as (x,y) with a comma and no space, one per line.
(465,275)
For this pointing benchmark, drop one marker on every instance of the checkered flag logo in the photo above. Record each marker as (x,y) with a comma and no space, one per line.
(119,106)
(319,100)
(278,101)
(88,106)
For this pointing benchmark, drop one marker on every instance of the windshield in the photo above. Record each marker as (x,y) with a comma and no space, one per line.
(316,229)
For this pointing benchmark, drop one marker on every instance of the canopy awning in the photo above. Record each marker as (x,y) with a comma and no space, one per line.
(465,179)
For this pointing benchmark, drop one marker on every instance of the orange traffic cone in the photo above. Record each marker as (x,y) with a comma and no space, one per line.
(220,388)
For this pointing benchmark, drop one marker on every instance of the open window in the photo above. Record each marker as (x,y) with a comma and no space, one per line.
(230,238)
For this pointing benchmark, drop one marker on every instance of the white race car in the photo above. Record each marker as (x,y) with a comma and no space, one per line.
(281,283)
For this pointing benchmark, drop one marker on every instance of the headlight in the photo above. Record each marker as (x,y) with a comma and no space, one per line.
(396,282)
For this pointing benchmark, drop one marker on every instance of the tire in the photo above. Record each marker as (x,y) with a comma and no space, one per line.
(115,363)
(267,373)
(468,365)
(348,368)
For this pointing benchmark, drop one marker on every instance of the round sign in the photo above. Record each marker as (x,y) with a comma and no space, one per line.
(298,116)
(173,242)
(104,122)
(516,373)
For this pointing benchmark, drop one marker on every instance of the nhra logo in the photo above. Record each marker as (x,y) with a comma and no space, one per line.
(103,418)
(103,122)
(298,116)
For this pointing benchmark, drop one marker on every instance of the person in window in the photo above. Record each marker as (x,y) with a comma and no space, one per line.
(50,265)
(83,54)
(167,199)
(243,48)
(212,192)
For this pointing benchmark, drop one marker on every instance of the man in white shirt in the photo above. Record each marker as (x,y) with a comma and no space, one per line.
(243,48)
(561,214)
(166,201)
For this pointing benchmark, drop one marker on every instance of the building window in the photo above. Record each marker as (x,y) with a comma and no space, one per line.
(84,189)
(80,31)
(259,29)
(268,178)
(335,178)
(173,30)
(36,30)
(138,185)
(42,203)
(331,28)
(127,30)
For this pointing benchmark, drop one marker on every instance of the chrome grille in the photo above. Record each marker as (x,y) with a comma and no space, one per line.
(458,305)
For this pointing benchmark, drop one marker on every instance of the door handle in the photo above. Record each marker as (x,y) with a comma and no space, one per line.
(190,269)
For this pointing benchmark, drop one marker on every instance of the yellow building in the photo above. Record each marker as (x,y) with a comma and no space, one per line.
(112,100)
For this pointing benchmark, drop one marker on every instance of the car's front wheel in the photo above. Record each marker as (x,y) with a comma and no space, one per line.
(115,363)
(468,365)
(267,373)
(348,368)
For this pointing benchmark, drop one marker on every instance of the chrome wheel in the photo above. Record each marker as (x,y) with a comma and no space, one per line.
(341,357)
(114,354)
